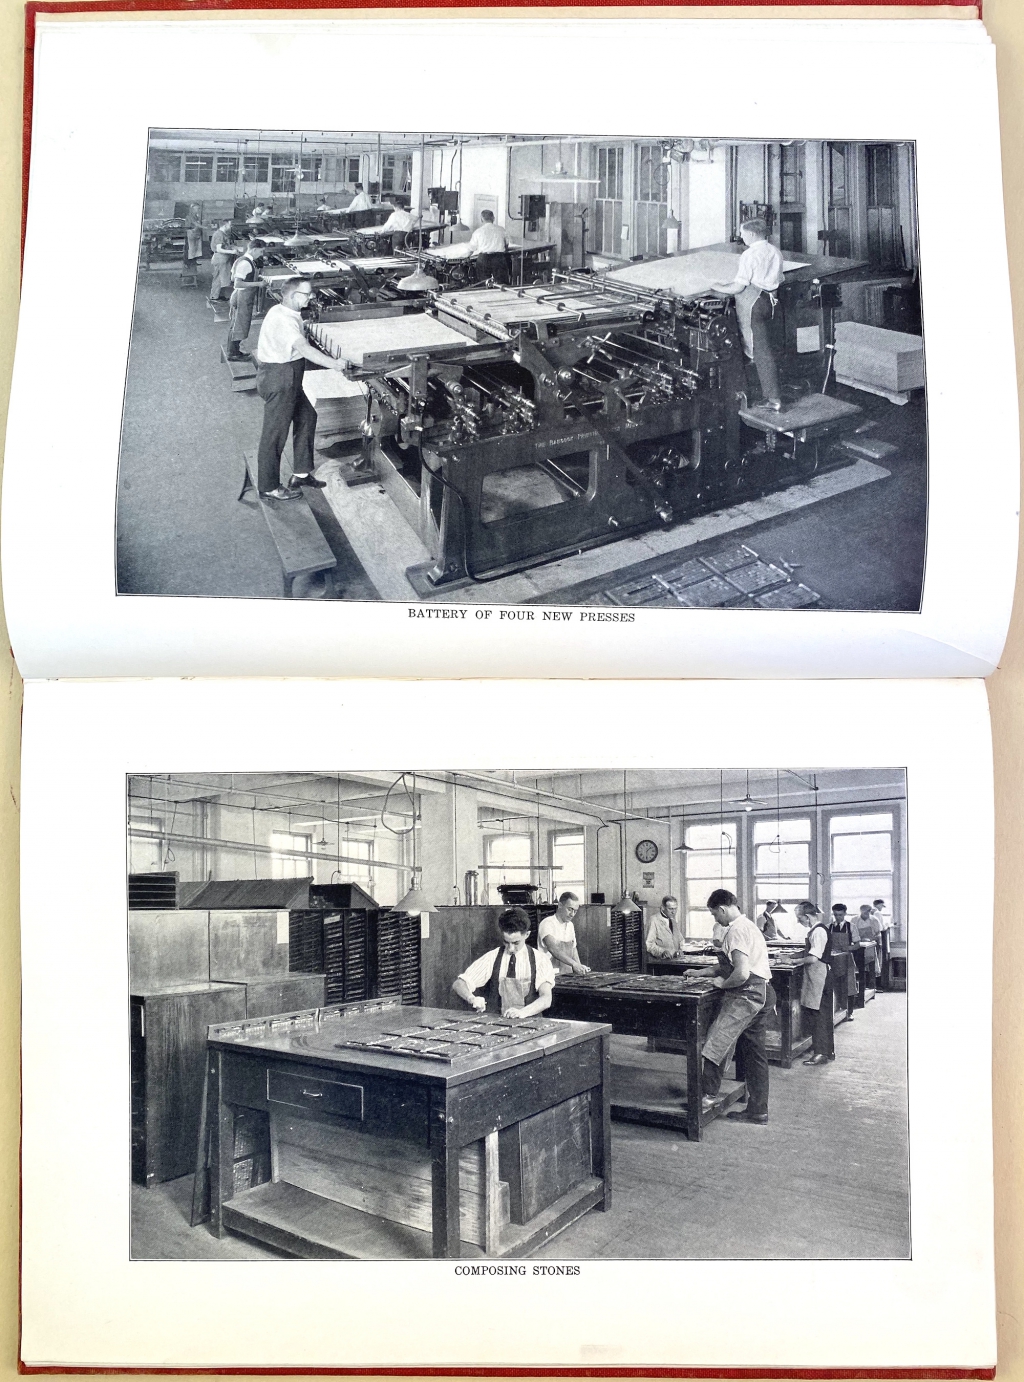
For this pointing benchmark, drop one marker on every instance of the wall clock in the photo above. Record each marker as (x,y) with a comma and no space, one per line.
(646,851)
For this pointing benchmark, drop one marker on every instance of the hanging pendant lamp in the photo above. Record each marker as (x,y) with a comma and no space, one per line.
(625,904)
(415,900)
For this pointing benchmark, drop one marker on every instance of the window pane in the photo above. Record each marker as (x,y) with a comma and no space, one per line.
(508,849)
(164,167)
(711,836)
(853,825)
(711,865)
(567,850)
(698,890)
(699,923)
(793,858)
(787,890)
(290,866)
(199,167)
(855,852)
(257,168)
(860,888)
(785,830)
(227,167)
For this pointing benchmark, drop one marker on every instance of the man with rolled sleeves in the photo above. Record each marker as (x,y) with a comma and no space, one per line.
(282,352)
(744,976)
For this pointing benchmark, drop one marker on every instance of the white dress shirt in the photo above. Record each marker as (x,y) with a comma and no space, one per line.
(400,220)
(360,202)
(761,265)
(479,971)
(280,335)
(488,239)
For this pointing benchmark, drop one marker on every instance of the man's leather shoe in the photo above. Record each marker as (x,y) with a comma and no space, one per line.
(742,1116)
(280,495)
(309,480)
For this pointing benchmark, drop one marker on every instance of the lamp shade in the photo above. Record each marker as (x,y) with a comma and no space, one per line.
(683,848)
(626,905)
(417,282)
(415,900)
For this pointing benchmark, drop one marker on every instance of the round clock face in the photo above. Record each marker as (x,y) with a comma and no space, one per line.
(646,851)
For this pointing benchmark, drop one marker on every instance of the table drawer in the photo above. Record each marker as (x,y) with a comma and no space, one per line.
(315,1094)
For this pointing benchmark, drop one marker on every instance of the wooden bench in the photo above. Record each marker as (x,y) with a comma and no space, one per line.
(297,535)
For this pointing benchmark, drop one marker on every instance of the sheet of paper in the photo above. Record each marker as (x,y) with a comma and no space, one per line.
(167,74)
(87,1303)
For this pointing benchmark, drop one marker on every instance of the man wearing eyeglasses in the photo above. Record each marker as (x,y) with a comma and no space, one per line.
(282,352)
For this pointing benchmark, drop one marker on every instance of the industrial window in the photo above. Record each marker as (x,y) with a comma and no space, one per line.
(164,166)
(782,861)
(352,174)
(227,167)
(791,174)
(650,210)
(567,854)
(257,167)
(282,173)
(147,844)
(709,863)
(395,172)
(290,864)
(199,167)
(861,859)
(508,859)
(357,873)
(312,167)
(608,166)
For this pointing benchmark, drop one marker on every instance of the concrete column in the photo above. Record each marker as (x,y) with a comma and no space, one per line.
(417,189)
(449,841)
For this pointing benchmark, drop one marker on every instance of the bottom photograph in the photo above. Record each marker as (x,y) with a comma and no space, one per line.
(561,1014)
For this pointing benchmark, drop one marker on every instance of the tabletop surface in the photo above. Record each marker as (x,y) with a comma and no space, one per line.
(432,1044)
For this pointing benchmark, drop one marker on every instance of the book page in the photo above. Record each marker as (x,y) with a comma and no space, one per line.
(558,478)
(834,795)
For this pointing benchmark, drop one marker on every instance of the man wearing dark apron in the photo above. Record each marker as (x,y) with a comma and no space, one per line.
(817,988)
(841,957)
(742,1018)
(755,289)
(513,979)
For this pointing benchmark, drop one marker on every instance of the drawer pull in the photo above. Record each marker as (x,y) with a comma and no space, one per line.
(312,1094)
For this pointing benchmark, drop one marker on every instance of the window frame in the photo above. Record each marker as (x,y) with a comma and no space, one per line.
(278,862)
(203,162)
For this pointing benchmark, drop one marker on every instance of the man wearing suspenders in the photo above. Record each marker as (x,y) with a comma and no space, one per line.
(817,987)
(513,979)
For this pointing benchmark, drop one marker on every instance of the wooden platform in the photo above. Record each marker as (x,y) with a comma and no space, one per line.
(810,416)
(243,373)
(658,1097)
(297,535)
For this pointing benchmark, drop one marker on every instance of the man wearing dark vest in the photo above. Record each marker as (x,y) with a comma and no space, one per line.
(514,979)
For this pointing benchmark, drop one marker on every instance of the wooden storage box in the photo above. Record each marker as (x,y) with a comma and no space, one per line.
(889,363)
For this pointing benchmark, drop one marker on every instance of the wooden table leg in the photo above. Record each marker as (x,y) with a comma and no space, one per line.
(222,1146)
(694,1078)
(601,1125)
(445,1220)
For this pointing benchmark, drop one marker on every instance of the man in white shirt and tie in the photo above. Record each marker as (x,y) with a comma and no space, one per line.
(489,245)
(513,979)
(360,202)
(755,289)
(282,352)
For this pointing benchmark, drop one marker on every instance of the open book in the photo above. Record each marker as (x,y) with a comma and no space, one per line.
(637,347)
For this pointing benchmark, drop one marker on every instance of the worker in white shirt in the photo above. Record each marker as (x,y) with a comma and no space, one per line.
(884,919)
(791,926)
(244,289)
(282,352)
(755,289)
(817,986)
(489,246)
(513,979)
(557,935)
(259,215)
(194,234)
(744,976)
(360,202)
(220,263)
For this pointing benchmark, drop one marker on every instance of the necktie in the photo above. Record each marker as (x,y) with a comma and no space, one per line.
(511,972)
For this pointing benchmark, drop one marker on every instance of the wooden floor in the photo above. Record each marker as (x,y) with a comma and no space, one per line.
(827,1177)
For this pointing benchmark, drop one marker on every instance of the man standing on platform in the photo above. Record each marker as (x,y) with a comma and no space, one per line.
(744,976)
(243,298)
(513,979)
(282,352)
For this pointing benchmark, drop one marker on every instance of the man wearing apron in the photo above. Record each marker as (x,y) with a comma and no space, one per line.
(755,289)
(194,234)
(844,938)
(514,979)
(747,1000)
(817,987)
(244,289)
(557,935)
(220,263)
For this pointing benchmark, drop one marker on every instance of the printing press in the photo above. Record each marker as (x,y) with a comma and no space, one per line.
(512,426)
(345,289)
(453,267)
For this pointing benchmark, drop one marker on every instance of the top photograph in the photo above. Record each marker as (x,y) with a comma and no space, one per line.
(645,371)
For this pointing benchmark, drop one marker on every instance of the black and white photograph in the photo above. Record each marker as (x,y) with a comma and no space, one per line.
(495,1014)
(644,371)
